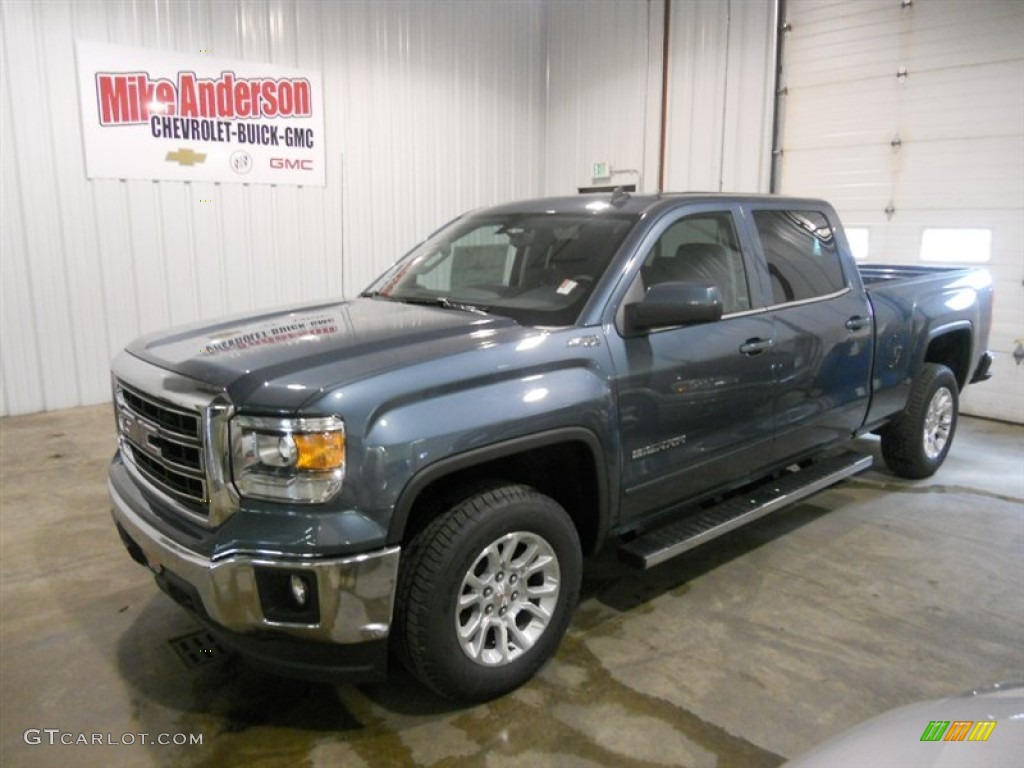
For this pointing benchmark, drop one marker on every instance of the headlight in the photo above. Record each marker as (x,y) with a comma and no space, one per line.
(299,460)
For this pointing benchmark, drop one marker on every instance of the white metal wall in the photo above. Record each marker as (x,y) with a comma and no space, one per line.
(721,95)
(431,108)
(604,93)
(958,113)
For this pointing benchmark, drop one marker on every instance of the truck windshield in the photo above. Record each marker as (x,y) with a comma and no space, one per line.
(536,268)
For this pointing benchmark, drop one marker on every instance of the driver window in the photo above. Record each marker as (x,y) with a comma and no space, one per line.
(700,248)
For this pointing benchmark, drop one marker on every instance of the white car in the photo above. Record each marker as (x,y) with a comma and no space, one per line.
(983,728)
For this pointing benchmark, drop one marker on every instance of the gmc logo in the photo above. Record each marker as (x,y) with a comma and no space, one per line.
(283,163)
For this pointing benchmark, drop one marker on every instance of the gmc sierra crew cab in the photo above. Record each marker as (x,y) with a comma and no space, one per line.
(419,472)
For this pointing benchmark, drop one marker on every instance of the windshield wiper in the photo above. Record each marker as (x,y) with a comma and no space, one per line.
(439,301)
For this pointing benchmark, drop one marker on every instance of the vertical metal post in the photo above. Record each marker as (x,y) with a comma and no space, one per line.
(664,97)
(778,121)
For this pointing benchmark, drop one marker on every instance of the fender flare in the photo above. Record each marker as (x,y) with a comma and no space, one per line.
(518,445)
(946,329)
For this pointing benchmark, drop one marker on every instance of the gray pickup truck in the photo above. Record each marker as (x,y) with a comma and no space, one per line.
(421,470)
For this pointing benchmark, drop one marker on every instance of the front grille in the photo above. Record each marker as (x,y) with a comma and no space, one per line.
(175,481)
(176,421)
(164,442)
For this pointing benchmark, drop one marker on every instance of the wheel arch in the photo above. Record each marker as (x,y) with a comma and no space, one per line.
(950,345)
(540,461)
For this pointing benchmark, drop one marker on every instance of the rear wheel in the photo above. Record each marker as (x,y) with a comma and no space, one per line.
(916,443)
(486,592)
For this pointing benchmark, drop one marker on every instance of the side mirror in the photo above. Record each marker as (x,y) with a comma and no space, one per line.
(669,304)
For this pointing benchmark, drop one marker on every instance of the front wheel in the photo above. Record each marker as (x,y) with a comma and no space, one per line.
(915,444)
(486,592)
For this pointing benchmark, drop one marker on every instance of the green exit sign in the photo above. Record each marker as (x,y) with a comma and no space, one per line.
(601,171)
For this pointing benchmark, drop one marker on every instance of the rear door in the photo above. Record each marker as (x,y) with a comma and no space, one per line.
(695,403)
(823,334)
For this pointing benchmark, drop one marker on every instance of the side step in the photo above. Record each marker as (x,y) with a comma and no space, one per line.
(664,543)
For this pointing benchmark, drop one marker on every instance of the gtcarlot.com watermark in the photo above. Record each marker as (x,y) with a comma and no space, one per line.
(55,736)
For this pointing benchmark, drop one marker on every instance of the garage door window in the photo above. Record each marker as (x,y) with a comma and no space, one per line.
(803,260)
(957,246)
(859,239)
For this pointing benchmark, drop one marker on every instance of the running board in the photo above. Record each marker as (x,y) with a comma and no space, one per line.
(664,543)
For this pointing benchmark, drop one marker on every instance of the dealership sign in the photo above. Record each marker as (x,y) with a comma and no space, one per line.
(158,115)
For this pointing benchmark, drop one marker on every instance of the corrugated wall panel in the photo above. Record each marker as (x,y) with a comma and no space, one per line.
(37,191)
(604,101)
(603,105)
(426,103)
(750,97)
(696,103)
(959,116)
(18,348)
(449,102)
(721,102)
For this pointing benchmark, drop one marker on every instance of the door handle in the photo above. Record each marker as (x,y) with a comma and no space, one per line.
(756,346)
(857,322)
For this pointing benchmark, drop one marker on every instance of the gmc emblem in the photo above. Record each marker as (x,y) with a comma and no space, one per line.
(141,434)
(283,163)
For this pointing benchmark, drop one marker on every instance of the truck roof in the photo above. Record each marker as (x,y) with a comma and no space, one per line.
(631,203)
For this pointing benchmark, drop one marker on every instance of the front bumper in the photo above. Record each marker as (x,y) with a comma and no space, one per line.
(355,593)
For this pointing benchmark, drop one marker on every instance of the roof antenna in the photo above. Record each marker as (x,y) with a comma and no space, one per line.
(619,196)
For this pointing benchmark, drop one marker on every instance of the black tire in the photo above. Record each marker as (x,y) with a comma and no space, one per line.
(487,532)
(916,443)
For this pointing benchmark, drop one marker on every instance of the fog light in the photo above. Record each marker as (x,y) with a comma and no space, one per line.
(288,595)
(299,591)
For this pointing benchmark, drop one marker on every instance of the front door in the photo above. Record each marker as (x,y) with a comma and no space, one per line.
(695,403)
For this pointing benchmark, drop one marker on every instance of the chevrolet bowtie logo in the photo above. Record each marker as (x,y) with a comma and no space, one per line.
(185,157)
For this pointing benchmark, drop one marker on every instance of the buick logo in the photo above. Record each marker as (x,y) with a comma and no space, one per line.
(240,162)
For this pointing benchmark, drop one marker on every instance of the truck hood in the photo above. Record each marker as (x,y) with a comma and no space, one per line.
(282,359)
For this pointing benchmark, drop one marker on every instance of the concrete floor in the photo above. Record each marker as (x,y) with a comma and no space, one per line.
(746,652)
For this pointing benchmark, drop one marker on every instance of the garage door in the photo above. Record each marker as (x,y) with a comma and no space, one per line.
(909,116)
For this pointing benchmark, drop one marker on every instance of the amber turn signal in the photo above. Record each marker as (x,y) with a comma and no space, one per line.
(320,450)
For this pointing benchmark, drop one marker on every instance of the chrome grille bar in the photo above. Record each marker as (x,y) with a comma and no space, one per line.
(170,419)
(165,445)
(173,436)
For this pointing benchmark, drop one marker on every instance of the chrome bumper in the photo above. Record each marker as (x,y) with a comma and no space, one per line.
(356,594)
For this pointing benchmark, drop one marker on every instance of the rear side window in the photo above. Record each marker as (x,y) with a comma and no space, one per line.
(803,260)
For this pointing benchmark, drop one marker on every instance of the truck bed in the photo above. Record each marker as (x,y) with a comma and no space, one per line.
(908,300)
